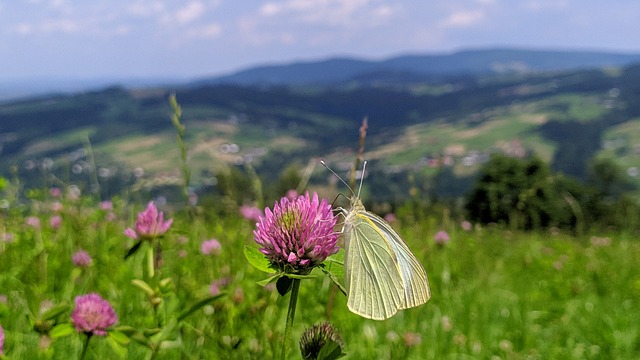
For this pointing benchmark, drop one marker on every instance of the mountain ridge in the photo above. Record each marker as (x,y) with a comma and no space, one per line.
(472,62)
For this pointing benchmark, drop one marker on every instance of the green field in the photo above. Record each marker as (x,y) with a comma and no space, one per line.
(495,293)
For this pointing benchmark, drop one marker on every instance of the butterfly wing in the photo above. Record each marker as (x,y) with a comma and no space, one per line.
(414,278)
(372,273)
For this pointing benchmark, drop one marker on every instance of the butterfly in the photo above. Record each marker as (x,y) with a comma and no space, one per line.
(382,275)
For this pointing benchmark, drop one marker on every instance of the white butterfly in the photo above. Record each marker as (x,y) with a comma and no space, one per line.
(382,275)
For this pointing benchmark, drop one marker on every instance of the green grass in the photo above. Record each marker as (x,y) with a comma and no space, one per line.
(497,132)
(495,293)
(574,107)
(622,143)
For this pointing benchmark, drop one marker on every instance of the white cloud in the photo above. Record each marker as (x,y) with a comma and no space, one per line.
(539,5)
(270,9)
(122,30)
(208,31)
(60,26)
(23,29)
(316,22)
(145,9)
(49,26)
(462,19)
(328,12)
(190,12)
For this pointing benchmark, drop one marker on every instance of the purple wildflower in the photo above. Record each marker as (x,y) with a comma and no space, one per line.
(150,224)
(55,192)
(250,213)
(33,221)
(313,339)
(210,247)
(214,289)
(57,206)
(441,238)
(55,222)
(466,225)
(93,315)
(81,258)
(6,237)
(110,217)
(1,340)
(412,339)
(298,234)
(390,217)
(106,205)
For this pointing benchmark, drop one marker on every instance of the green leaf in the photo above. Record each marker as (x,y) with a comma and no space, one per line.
(165,332)
(270,279)
(61,330)
(335,264)
(296,276)
(284,285)
(54,312)
(126,329)
(144,287)
(117,347)
(133,249)
(119,337)
(335,280)
(166,285)
(151,332)
(330,351)
(257,259)
(198,305)
(134,334)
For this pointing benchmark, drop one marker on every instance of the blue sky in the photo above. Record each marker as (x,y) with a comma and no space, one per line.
(192,38)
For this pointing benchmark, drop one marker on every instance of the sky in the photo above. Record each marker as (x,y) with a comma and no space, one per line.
(187,39)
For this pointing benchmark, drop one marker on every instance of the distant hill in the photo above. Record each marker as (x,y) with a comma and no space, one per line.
(443,128)
(470,62)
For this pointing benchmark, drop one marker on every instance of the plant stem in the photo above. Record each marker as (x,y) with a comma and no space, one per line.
(150,262)
(290,315)
(175,119)
(85,347)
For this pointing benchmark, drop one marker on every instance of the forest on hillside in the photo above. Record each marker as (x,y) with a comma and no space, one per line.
(54,129)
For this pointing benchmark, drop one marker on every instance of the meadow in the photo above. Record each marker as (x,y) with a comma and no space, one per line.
(496,293)
(115,279)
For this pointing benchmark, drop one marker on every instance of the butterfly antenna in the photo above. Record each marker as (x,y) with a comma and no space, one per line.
(338,176)
(364,166)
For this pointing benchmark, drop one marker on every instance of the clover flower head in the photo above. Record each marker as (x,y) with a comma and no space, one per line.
(81,258)
(57,206)
(412,339)
(106,205)
(150,224)
(250,212)
(315,337)
(209,247)
(298,234)
(93,315)
(441,238)
(55,221)
(6,237)
(390,217)
(216,285)
(55,192)
(33,221)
